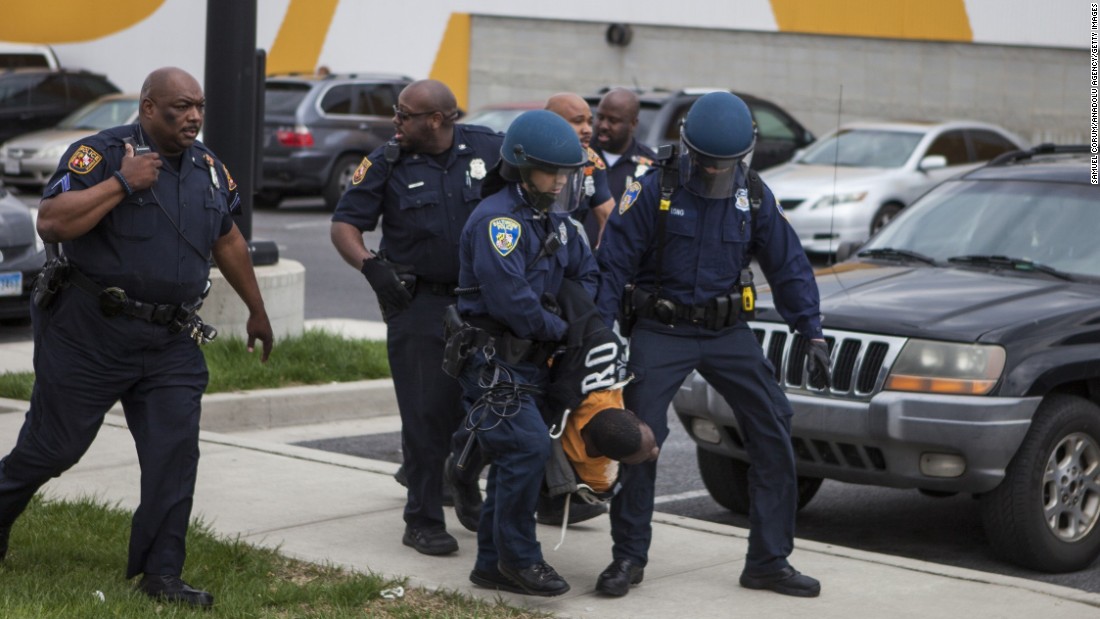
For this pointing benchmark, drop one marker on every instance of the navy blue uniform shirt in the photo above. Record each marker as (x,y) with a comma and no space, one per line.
(633,164)
(500,254)
(423,204)
(707,243)
(136,246)
(596,188)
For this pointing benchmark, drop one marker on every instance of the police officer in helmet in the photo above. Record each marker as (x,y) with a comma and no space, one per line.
(690,287)
(518,246)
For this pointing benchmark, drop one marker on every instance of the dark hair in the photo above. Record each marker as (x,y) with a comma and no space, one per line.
(615,433)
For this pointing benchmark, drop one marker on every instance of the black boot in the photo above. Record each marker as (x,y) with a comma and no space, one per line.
(536,579)
(616,578)
(173,589)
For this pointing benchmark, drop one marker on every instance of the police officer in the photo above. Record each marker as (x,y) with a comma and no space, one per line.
(423,185)
(138,231)
(598,201)
(626,158)
(518,246)
(687,264)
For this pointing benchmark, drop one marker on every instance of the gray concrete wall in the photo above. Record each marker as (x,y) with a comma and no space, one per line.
(1039,93)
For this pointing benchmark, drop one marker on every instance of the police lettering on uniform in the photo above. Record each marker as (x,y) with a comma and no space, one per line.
(597,202)
(422,185)
(517,247)
(626,158)
(683,241)
(138,212)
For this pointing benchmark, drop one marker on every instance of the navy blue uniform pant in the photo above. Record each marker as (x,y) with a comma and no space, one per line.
(430,403)
(733,363)
(84,363)
(515,441)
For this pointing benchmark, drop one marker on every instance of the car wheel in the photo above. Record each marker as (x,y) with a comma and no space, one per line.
(1045,515)
(727,481)
(340,178)
(884,215)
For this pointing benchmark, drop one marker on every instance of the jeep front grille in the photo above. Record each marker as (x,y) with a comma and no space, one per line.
(860,361)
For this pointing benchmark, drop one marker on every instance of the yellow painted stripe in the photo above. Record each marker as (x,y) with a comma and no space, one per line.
(301,36)
(937,20)
(69,21)
(452,60)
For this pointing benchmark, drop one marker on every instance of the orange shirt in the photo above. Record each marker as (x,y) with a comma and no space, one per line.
(599,473)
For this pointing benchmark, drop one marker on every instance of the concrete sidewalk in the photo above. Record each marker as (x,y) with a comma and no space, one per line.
(327,507)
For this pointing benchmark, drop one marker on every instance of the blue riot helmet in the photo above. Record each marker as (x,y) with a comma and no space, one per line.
(542,153)
(715,136)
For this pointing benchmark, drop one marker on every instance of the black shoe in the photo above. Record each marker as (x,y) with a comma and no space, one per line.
(467,497)
(433,541)
(536,579)
(494,580)
(579,511)
(402,479)
(5,532)
(616,578)
(173,589)
(787,581)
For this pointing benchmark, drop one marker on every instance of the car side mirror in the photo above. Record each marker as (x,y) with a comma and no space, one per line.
(932,162)
(847,249)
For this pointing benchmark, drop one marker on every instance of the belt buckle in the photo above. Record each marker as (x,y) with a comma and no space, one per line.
(111,301)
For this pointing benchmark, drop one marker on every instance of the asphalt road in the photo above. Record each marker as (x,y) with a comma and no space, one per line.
(897,522)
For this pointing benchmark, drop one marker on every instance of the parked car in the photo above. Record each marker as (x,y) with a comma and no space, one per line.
(32,99)
(27,55)
(965,340)
(30,159)
(854,180)
(317,129)
(22,254)
(779,135)
(499,116)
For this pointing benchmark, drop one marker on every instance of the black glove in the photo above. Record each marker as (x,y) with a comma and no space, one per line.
(550,304)
(392,294)
(817,362)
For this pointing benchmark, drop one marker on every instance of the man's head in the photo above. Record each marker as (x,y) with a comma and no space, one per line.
(717,133)
(620,435)
(172,106)
(424,117)
(616,120)
(575,111)
(540,152)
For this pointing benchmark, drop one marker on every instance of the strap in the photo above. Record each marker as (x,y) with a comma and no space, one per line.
(670,179)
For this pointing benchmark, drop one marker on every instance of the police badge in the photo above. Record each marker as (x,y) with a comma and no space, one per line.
(742,202)
(562,233)
(477,169)
(589,186)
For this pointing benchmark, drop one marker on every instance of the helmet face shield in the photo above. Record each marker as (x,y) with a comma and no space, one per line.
(554,189)
(705,176)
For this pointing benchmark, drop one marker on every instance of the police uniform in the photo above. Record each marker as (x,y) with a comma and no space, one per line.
(635,162)
(156,247)
(502,257)
(596,192)
(423,202)
(706,245)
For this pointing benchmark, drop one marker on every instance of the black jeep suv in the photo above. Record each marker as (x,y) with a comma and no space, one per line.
(965,348)
(317,129)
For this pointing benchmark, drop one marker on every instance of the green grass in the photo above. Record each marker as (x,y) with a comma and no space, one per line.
(63,553)
(313,358)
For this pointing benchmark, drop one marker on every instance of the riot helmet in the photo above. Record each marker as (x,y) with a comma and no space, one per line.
(542,153)
(715,136)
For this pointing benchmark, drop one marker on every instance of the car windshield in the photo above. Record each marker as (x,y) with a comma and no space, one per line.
(863,148)
(282,98)
(497,120)
(100,115)
(1003,223)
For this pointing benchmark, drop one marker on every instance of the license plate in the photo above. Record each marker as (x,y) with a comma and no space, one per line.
(11,284)
(11,166)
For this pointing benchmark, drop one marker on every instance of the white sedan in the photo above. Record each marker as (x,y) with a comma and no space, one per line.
(853,181)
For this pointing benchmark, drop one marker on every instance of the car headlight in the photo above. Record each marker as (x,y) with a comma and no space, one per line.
(39,244)
(944,367)
(52,153)
(840,198)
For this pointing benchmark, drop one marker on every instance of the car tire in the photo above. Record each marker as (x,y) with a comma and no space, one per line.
(339,179)
(1045,515)
(885,214)
(727,481)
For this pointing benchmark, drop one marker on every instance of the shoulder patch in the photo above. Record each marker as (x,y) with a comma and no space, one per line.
(629,196)
(361,171)
(595,158)
(504,233)
(84,159)
(229,179)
